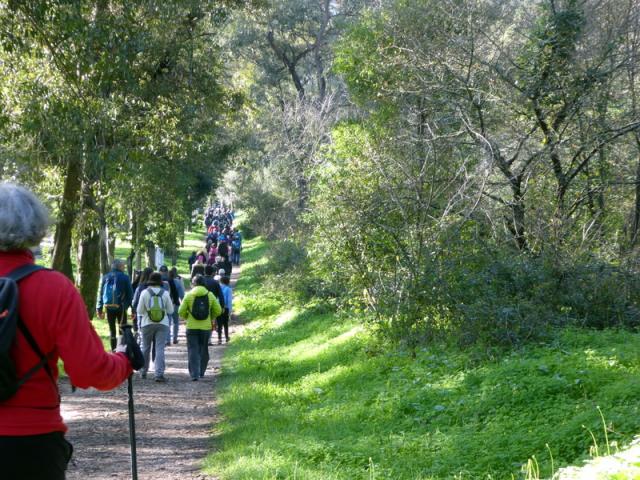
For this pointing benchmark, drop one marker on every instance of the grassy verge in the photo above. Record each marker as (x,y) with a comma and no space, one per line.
(307,394)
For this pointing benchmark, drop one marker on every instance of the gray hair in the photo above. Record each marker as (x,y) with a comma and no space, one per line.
(117,264)
(24,220)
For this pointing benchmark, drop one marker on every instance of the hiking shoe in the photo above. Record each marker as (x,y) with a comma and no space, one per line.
(143,375)
(219,342)
(175,342)
(194,379)
(160,379)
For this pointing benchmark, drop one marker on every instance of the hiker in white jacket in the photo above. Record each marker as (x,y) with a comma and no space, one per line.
(154,308)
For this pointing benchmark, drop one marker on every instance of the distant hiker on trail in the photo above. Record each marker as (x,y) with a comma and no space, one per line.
(223,247)
(226,266)
(201,257)
(192,259)
(236,247)
(137,274)
(223,263)
(197,269)
(199,309)
(223,320)
(143,283)
(214,287)
(164,273)
(115,295)
(212,258)
(52,324)
(177,294)
(155,307)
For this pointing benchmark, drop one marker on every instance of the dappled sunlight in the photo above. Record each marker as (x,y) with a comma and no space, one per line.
(285,317)
(321,343)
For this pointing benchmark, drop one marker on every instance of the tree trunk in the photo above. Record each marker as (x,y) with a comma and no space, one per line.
(151,253)
(635,226)
(89,267)
(112,248)
(518,212)
(130,258)
(89,250)
(289,63)
(136,240)
(61,257)
(105,260)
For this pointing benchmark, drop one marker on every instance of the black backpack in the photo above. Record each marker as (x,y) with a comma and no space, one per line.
(10,323)
(200,307)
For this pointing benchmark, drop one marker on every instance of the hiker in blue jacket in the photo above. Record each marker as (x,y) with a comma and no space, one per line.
(115,295)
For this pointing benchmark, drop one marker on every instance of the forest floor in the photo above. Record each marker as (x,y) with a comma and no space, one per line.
(174,421)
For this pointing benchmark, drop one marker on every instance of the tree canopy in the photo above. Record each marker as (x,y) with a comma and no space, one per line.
(435,162)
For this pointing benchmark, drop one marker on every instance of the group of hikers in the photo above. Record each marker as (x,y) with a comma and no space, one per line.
(43,319)
(158,300)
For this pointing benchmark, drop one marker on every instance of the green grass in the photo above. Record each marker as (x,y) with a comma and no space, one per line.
(309,394)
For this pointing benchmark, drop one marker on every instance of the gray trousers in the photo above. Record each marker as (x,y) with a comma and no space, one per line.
(198,351)
(154,332)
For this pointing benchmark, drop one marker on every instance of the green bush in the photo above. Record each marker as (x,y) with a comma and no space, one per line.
(512,300)
(491,295)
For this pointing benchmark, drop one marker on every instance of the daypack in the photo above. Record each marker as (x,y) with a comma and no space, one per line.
(236,245)
(110,293)
(156,306)
(200,307)
(10,323)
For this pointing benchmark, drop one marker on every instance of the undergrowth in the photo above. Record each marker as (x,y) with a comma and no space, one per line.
(309,393)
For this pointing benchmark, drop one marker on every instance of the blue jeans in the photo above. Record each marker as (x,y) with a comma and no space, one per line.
(198,352)
(154,332)
(174,325)
(235,257)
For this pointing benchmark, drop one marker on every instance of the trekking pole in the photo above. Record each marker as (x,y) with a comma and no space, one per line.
(132,430)
(132,421)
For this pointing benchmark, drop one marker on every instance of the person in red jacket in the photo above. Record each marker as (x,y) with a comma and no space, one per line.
(32,443)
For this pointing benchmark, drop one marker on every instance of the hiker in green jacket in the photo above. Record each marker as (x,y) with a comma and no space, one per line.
(199,309)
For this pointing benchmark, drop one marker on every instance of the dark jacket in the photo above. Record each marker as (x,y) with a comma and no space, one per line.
(214,287)
(227,266)
(192,260)
(223,249)
(123,287)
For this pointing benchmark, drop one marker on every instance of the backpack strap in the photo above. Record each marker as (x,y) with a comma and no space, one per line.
(24,271)
(158,294)
(44,359)
(17,275)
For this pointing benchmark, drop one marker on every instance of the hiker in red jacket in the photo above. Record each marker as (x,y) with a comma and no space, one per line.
(32,443)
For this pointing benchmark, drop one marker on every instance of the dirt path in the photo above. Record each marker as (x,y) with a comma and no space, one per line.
(173,422)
